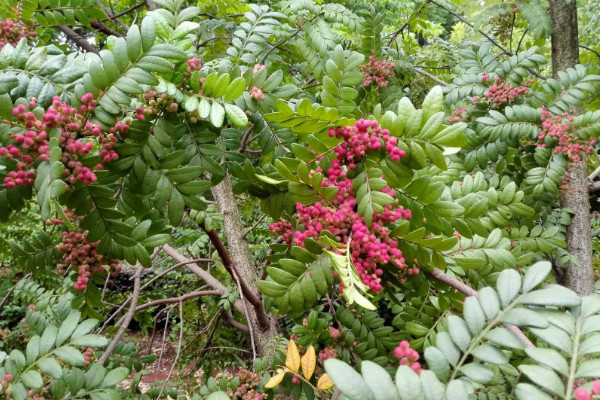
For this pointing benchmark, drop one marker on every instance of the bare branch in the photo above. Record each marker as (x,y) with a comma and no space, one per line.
(430,76)
(469,291)
(105,29)
(128,317)
(78,40)
(590,49)
(191,295)
(414,15)
(261,219)
(178,349)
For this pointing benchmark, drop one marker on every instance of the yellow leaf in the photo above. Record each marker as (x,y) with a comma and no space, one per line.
(292,361)
(309,361)
(325,382)
(276,379)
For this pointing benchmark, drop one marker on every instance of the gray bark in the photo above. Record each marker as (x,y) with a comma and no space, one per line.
(565,54)
(242,259)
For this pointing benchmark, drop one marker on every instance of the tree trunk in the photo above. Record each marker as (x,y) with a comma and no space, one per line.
(243,261)
(565,54)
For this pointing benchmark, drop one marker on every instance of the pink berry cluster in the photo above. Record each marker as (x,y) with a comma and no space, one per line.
(79,254)
(87,355)
(558,129)
(501,93)
(408,356)
(13,30)
(258,68)
(458,115)
(377,72)
(154,103)
(32,144)
(248,385)
(364,135)
(370,246)
(327,353)
(584,394)
(193,64)
(257,93)
(5,379)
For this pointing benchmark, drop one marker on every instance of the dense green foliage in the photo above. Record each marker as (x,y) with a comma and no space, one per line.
(384,161)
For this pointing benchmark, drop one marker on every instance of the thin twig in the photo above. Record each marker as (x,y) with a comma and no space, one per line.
(428,67)
(116,16)
(111,15)
(227,348)
(469,291)
(596,233)
(252,342)
(261,219)
(276,45)
(521,41)
(154,327)
(12,289)
(412,16)
(113,315)
(164,339)
(213,39)
(512,29)
(179,299)
(128,317)
(430,76)
(178,349)
(590,49)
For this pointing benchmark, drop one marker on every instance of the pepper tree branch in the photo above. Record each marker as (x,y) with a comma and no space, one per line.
(104,29)
(201,273)
(469,291)
(78,40)
(252,298)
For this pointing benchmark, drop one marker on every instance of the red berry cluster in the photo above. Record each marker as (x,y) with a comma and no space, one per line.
(377,72)
(559,130)
(370,246)
(408,356)
(501,93)
(32,144)
(257,93)
(13,30)
(584,394)
(80,254)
